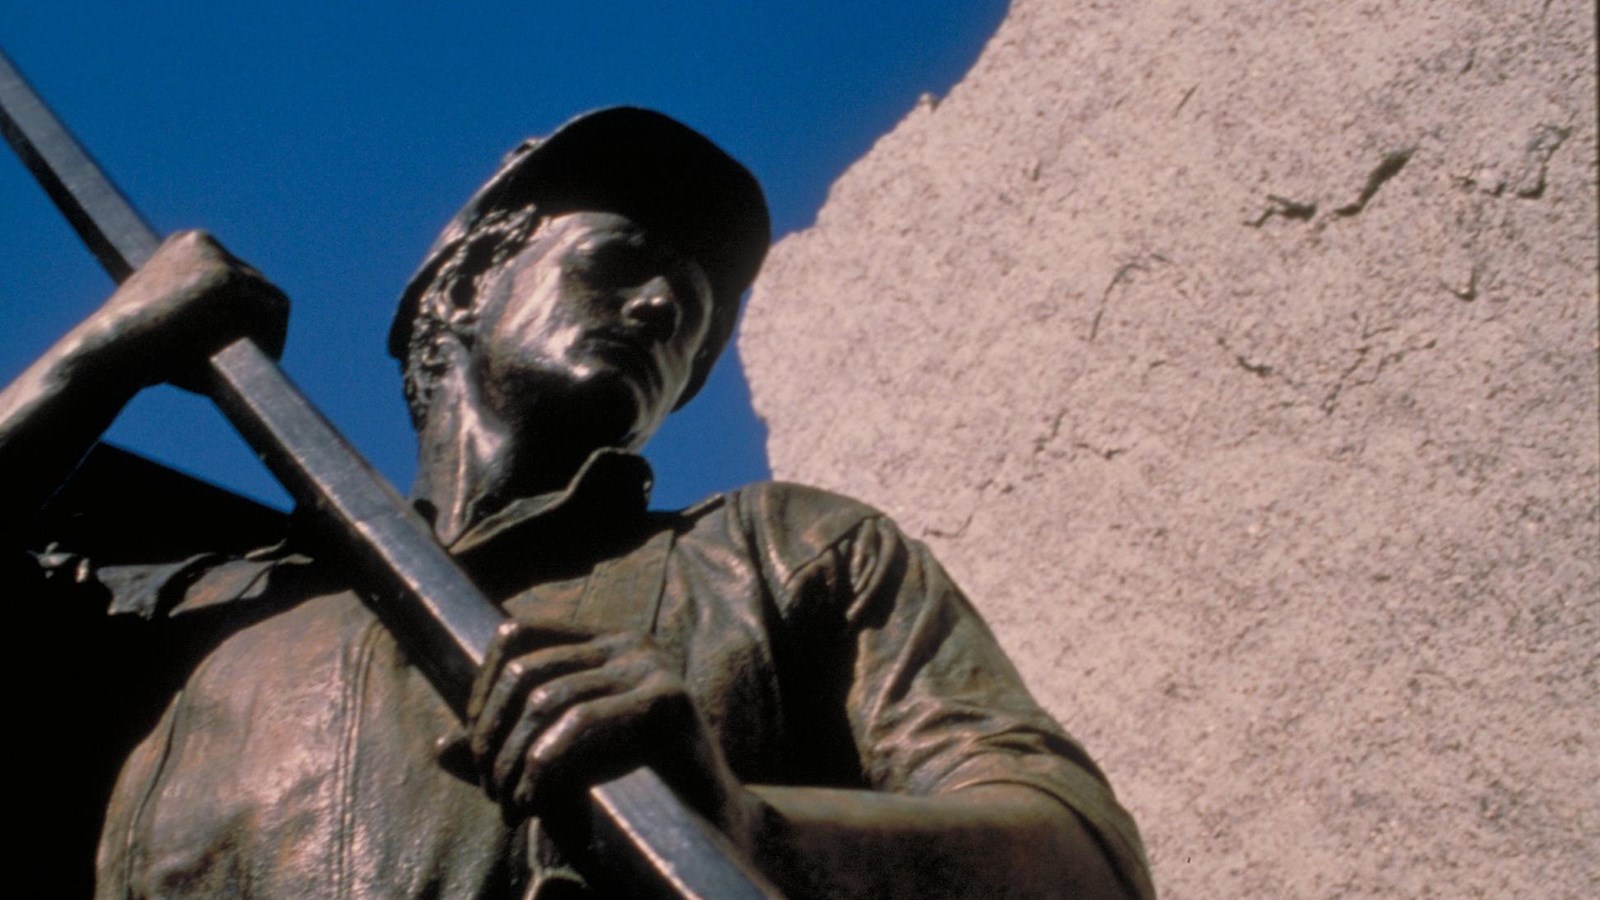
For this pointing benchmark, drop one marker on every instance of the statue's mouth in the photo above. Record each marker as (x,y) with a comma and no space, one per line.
(628,351)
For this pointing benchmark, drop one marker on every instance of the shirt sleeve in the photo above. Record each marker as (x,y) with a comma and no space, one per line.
(935,705)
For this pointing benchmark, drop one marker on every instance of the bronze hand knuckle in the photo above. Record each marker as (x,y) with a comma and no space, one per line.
(577,720)
(547,752)
(503,768)
(544,697)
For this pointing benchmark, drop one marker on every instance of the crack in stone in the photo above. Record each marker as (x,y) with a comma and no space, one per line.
(1138,264)
(1105,453)
(1285,208)
(1346,380)
(1389,168)
(1040,443)
(1260,370)
(959,530)
(1186,95)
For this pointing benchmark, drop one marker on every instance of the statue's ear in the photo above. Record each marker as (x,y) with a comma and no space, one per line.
(435,365)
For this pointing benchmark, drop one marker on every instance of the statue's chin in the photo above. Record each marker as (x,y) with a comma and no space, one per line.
(603,410)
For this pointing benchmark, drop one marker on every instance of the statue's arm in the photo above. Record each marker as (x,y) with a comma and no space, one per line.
(976,791)
(579,709)
(984,841)
(188,301)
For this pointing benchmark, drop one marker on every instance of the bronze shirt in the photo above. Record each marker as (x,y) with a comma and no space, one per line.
(822,646)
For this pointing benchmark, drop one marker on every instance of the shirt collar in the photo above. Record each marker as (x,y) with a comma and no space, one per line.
(606,498)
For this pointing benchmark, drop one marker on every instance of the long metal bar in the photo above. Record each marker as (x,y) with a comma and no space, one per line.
(421,595)
(115,232)
(416,588)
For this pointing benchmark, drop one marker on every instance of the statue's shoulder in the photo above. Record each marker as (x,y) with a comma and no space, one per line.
(785,505)
(783,523)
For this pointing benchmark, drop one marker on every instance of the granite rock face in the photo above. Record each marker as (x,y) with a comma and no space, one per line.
(1240,360)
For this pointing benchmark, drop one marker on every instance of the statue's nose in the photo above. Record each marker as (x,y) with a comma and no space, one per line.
(654,307)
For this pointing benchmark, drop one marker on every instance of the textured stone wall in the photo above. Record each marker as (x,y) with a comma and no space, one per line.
(1240,359)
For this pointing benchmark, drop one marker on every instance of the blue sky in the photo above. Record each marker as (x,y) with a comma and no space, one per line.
(327,142)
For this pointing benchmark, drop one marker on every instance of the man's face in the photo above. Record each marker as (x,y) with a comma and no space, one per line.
(593,326)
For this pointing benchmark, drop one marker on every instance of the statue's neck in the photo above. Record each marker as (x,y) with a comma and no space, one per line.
(470,464)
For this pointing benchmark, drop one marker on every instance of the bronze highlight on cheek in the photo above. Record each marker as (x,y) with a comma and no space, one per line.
(599,311)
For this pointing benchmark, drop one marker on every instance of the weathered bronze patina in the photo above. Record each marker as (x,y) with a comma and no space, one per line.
(774,636)
(417,591)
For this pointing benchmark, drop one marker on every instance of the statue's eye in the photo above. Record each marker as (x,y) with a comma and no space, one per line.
(610,264)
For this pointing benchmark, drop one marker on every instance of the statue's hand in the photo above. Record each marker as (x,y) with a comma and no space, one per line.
(188,301)
(558,710)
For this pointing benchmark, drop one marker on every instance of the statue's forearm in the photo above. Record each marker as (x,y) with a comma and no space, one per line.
(188,301)
(990,840)
(49,417)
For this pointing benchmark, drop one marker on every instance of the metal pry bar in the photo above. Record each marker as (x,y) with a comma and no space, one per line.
(115,232)
(311,459)
(421,596)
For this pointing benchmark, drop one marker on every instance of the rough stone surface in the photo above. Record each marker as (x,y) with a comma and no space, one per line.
(1240,360)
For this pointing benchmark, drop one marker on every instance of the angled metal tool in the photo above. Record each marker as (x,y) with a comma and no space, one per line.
(417,591)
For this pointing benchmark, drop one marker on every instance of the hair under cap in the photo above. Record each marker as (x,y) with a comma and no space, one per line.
(634,162)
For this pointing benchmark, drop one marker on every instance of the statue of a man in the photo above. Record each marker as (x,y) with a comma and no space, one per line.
(796,669)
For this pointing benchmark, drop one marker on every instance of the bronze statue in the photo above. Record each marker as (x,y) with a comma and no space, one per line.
(798,671)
